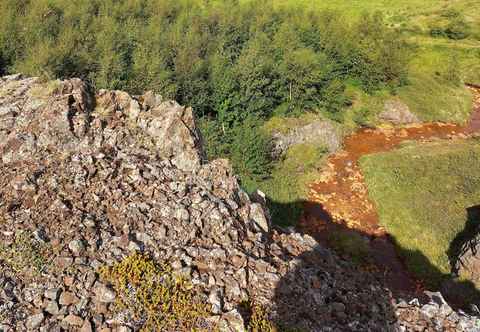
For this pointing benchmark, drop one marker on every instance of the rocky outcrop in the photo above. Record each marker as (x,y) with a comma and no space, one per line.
(61,116)
(87,179)
(321,133)
(398,113)
(465,259)
(467,264)
(435,314)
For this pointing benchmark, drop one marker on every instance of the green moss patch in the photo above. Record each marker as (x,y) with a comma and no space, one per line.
(25,256)
(152,294)
(422,193)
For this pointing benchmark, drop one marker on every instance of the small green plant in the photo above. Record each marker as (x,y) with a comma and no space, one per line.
(363,117)
(154,296)
(25,256)
(352,245)
(259,321)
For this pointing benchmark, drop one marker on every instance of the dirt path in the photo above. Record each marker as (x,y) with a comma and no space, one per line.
(339,200)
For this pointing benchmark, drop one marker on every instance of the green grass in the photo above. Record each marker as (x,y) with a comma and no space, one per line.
(427,94)
(422,192)
(287,188)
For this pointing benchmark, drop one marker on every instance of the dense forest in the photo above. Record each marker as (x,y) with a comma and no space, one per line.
(236,63)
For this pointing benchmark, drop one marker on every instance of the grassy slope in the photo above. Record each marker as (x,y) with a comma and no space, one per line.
(422,192)
(427,94)
(287,188)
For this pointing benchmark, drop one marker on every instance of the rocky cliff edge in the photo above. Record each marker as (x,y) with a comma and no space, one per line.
(89,178)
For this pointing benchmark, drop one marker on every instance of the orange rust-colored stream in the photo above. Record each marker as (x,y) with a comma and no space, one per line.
(339,199)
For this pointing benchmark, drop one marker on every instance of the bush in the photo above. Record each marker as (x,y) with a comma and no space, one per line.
(26,256)
(363,117)
(154,296)
(457,29)
(229,59)
(259,320)
(250,151)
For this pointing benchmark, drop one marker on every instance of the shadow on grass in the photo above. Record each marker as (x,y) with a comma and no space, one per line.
(381,255)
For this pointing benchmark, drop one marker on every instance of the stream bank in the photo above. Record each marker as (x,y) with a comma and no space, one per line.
(339,204)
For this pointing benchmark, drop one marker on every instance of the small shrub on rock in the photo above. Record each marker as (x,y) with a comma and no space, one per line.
(259,321)
(25,255)
(154,297)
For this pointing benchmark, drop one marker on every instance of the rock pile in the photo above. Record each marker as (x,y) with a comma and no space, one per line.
(87,179)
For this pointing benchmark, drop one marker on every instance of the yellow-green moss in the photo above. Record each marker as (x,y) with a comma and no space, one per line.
(152,294)
(25,256)
(259,320)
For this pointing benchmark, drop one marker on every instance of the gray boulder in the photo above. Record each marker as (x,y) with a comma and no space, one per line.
(322,133)
(397,112)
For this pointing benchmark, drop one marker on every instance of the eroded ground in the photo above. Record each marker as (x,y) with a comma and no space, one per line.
(339,202)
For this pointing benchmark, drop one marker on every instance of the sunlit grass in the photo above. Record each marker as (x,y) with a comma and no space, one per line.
(287,188)
(422,192)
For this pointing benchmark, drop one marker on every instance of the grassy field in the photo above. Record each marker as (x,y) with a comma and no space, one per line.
(422,192)
(429,94)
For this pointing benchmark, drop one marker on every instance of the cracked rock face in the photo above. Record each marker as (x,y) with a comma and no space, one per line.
(398,113)
(62,116)
(87,179)
(320,133)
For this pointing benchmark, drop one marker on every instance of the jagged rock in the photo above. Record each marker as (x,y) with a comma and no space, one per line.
(397,112)
(434,315)
(67,298)
(464,253)
(174,129)
(34,321)
(52,293)
(129,175)
(59,115)
(73,320)
(76,246)
(258,215)
(87,326)
(232,322)
(52,308)
(104,294)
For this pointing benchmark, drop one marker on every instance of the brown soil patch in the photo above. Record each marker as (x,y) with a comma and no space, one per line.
(339,200)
